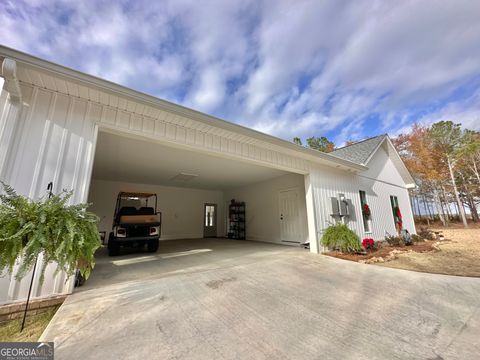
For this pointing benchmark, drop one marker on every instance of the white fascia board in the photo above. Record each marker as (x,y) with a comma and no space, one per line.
(110,87)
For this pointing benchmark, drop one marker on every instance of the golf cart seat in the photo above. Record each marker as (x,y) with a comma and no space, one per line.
(127,210)
(146,211)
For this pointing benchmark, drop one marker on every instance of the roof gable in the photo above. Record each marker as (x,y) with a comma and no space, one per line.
(363,151)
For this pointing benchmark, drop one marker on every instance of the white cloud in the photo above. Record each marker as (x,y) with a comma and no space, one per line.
(284,67)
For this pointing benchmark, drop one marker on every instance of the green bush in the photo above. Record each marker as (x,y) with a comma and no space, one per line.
(65,234)
(340,237)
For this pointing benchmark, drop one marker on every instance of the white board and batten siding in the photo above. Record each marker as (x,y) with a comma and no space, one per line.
(53,141)
(264,208)
(379,182)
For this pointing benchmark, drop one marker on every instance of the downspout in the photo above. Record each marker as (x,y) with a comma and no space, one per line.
(12,85)
(10,113)
(9,116)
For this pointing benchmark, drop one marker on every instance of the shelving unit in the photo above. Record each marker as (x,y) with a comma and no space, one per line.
(236,221)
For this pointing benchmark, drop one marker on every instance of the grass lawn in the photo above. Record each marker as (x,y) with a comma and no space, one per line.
(34,326)
(459,255)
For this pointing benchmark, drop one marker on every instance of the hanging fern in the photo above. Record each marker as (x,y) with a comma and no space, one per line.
(65,234)
(340,237)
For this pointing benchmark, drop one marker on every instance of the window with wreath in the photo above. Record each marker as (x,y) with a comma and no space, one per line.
(397,214)
(366,213)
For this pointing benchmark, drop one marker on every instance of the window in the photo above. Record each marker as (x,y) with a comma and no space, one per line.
(365,211)
(209,215)
(397,215)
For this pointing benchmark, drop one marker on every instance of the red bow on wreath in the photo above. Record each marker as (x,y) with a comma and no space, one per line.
(366,210)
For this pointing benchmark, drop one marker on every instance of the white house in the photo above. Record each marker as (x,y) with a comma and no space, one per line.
(96,137)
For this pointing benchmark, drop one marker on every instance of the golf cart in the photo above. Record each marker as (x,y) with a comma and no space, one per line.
(135,224)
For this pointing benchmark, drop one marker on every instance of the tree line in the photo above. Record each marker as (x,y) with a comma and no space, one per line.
(444,159)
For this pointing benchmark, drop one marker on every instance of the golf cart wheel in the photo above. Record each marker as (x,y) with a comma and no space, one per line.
(113,246)
(152,245)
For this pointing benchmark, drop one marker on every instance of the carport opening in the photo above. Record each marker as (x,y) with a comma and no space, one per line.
(195,191)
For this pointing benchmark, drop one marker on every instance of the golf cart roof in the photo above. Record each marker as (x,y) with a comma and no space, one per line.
(135,194)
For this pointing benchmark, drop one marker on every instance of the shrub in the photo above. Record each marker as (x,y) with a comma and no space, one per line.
(416,238)
(340,237)
(426,234)
(369,244)
(65,234)
(394,240)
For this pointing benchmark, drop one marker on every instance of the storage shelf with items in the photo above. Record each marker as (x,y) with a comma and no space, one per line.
(236,220)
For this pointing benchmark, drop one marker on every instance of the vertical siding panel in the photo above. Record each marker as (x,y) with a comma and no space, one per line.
(171,131)
(123,119)
(108,116)
(73,147)
(72,131)
(160,129)
(208,141)
(181,134)
(31,142)
(136,123)
(190,136)
(39,166)
(199,138)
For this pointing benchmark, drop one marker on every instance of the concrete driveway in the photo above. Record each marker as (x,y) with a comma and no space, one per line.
(261,301)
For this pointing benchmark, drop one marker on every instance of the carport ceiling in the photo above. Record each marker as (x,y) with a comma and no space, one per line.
(125,159)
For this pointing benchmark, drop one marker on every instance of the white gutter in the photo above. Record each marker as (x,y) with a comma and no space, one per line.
(105,85)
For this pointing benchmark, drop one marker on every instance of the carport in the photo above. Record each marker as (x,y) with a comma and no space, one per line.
(195,189)
(97,138)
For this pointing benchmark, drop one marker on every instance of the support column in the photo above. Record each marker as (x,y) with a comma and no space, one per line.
(311,216)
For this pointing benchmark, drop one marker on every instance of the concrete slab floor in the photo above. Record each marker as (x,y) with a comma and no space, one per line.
(270,303)
(177,257)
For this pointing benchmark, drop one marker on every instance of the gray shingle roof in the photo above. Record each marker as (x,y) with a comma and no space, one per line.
(360,151)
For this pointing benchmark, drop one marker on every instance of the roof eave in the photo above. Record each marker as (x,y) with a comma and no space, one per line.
(309,154)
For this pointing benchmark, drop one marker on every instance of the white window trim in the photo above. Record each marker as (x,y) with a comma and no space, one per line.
(369,220)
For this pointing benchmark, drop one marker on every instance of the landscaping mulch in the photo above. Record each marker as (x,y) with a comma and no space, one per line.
(460,256)
(384,250)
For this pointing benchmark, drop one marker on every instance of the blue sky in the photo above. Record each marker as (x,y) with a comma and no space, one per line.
(342,69)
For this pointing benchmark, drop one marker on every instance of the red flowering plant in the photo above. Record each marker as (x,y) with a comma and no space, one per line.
(369,244)
(366,210)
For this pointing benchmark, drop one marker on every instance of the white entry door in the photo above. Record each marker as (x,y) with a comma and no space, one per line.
(289,216)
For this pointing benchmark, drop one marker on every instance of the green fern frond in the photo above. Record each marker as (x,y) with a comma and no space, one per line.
(65,234)
(340,237)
